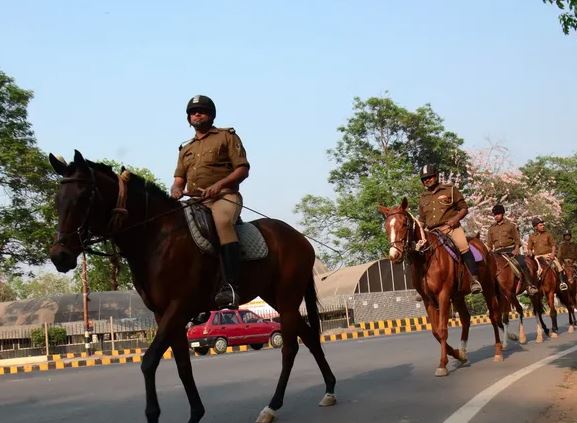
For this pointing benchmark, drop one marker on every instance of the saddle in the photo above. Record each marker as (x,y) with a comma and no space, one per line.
(452,249)
(203,231)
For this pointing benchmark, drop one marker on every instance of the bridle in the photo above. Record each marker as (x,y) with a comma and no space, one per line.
(403,245)
(85,236)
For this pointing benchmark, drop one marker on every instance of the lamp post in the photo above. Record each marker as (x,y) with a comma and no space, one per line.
(84,277)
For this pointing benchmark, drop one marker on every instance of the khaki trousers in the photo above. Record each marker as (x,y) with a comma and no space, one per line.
(458,236)
(554,264)
(225,214)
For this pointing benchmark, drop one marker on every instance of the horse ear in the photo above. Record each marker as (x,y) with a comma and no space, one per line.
(58,164)
(79,160)
(404,203)
(383,210)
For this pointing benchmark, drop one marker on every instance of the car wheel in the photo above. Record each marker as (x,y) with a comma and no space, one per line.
(276,340)
(256,346)
(220,345)
(201,350)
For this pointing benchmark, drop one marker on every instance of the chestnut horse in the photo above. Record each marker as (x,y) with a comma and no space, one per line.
(509,287)
(436,278)
(175,279)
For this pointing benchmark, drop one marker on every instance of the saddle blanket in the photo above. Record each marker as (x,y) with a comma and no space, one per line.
(252,243)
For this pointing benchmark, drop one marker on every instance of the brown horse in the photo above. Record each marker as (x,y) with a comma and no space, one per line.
(175,279)
(548,287)
(436,278)
(509,287)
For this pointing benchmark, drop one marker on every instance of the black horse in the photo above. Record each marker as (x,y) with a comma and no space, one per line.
(175,279)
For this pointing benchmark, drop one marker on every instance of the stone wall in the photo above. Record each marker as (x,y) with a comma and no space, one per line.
(385,305)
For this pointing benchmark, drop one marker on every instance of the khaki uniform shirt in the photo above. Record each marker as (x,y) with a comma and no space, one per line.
(503,234)
(567,250)
(540,243)
(436,207)
(202,162)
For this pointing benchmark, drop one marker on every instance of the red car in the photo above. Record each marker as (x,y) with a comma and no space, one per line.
(232,327)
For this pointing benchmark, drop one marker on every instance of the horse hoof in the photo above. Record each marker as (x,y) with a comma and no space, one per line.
(554,335)
(267,415)
(505,346)
(513,337)
(522,340)
(328,400)
(463,356)
(498,358)
(571,329)
(441,371)
(539,340)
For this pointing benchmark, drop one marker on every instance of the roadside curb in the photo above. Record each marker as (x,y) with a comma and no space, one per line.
(358,331)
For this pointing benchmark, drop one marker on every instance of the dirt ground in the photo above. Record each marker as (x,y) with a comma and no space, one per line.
(563,408)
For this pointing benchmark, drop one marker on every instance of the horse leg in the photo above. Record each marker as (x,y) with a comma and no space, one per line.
(152,358)
(495,316)
(553,314)
(520,311)
(465,317)
(179,346)
(443,332)
(289,321)
(313,343)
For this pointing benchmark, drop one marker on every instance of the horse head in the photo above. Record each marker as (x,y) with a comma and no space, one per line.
(81,207)
(398,226)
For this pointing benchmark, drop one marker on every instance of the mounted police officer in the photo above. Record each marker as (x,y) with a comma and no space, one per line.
(503,238)
(442,207)
(567,248)
(212,165)
(542,244)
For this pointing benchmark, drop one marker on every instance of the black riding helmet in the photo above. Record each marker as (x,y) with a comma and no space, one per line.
(428,170)
(536,221)
(203,103)
(567,232)
(498,209)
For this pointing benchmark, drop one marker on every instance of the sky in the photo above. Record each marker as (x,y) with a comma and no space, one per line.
(112,78)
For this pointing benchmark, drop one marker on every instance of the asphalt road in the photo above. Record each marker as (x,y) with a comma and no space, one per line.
(381,379)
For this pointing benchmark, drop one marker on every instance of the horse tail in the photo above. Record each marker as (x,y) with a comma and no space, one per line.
(311,302)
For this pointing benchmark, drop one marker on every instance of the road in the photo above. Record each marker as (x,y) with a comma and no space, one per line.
(381,379)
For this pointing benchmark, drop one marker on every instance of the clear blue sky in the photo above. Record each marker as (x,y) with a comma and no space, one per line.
(112,78)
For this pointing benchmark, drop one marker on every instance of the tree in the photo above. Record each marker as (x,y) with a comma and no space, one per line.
(43,285)
(492,179)
(378,157)
(112,273)
(557,174)
(567,19)
(27,216)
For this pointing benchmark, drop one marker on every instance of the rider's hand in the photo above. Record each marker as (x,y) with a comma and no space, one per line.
(176,192)
(453,223)
(515,251)
(213,190)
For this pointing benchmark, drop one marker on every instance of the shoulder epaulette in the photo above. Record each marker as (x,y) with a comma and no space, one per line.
(230,130)
(185,143)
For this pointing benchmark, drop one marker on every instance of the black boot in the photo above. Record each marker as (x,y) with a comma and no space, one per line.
(227,297)
(471,264)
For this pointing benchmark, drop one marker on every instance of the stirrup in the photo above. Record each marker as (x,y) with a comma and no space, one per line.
(563,286)
(532,290)
(226,297)
(476,287)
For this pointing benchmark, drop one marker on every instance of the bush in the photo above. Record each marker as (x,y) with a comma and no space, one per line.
(56,336)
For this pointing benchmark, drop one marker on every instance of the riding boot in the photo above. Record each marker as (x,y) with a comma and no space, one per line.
(227,297)
(471,264)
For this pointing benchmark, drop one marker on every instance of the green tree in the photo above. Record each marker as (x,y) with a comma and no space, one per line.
(567,19)
(6,292)
(380,127)
(27,216)
(43,285)
(112,273)
(558,174)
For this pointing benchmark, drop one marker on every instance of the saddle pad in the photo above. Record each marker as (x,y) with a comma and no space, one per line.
(452,249)
(252,243)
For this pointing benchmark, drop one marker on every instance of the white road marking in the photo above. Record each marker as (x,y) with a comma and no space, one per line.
(471,408)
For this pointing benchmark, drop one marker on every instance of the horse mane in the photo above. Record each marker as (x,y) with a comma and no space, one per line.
(135,182)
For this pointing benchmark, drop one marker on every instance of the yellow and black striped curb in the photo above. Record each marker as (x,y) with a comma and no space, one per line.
(358,331)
